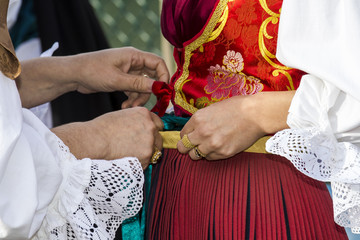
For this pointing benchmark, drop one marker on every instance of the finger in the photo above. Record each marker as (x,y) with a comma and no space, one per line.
(129,102)
(180,144)
(188,128)
(196,154)
(214,156)
(158,122)
(154,62)
(158,141)
(141,99)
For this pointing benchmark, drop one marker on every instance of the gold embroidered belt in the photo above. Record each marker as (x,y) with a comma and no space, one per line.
(170,139)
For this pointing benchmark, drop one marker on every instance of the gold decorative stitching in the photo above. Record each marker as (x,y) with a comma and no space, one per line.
(209,29)
(274,19)
(222,22)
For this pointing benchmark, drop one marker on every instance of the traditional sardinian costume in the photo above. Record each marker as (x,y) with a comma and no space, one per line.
(223,49)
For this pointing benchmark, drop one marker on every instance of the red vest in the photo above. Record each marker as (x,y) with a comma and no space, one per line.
(233,54)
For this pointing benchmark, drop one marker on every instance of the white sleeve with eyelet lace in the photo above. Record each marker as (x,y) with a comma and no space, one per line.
(324,143)
(95,197)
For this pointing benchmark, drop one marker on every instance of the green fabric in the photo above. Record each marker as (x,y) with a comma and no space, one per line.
(173,123)
(131,228)
(25,27)
(134,228)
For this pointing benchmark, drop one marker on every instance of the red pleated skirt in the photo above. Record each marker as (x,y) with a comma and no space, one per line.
(249,196)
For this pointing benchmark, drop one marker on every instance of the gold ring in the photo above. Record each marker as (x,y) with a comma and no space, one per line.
(186,142)
(155,157)
(198,153)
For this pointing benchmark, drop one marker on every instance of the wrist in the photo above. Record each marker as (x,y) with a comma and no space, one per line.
(83,139)
(270,110)
(70,71)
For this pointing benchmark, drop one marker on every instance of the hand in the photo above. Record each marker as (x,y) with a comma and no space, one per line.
(122,69)
(130,132)
(228,127)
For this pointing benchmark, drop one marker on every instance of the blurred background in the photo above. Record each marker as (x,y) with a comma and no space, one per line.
(83,26)
(134,23)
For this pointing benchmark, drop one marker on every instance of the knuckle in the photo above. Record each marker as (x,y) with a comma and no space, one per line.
(138,83)
(215,143)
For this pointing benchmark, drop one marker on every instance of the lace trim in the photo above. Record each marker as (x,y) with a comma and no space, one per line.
(320,156)
(95,197)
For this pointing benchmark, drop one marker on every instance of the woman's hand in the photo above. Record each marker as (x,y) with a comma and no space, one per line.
(118,69)
(129,132)
(122,69)
(228,127)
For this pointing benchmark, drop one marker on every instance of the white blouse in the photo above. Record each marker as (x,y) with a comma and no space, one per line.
(322,38)
(46,193)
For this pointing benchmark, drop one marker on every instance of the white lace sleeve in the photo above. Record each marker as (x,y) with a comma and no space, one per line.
(94,198)
(317,155)
(323,143)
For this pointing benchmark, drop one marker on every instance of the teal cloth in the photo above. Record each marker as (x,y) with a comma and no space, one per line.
(134,228)
(25,27)
(173,123)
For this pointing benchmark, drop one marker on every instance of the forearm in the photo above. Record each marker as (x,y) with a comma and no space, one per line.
(82,138)
(44,79)
(270,110)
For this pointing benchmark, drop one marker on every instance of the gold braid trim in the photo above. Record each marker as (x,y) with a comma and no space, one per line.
(219,29)
(170,139)
(180,98)
(274,19)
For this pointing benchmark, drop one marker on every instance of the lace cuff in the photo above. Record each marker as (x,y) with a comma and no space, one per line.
(94,197)
(317,154)
(320,156)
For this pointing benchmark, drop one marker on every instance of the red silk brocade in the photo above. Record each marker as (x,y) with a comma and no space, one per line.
(251,195)
(233,54)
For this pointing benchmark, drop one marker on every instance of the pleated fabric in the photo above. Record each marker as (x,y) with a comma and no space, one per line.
(249,196)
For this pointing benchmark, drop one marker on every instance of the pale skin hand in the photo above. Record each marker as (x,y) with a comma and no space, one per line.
(120,69)
(228,127)
(130,132)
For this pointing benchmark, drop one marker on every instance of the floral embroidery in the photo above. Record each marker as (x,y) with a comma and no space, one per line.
(224,82)
(234,61)
(251,86)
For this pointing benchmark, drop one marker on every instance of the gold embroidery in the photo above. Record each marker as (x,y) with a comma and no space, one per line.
(221,26)
(179,95)
(204,102)
(274,19)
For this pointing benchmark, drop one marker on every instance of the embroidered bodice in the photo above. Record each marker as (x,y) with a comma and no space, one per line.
(233,54)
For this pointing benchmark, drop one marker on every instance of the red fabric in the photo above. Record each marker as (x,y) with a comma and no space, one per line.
(209,200)
(163,93)
(250,195)
(210,79)
(182,20)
